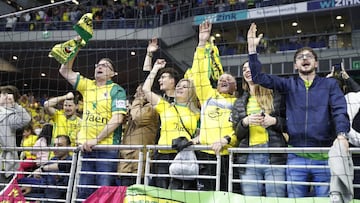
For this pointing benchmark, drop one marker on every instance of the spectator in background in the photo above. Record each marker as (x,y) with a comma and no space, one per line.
(44,140)
(168,77)
(12,116)
(178,119)
(259,121)
(216,105)
(104,112)
(346,83)
(66,122)
(10,23)
(142,126)
(28,140)
(53,166)
(315,111)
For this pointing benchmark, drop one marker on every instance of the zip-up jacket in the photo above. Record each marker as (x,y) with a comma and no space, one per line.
(315,115)
(276,138)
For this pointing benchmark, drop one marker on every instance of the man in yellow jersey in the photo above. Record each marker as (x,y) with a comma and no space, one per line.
(104,111)
(66,122)
(216,105)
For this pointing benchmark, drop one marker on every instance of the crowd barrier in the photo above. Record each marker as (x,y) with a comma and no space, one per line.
(77,159)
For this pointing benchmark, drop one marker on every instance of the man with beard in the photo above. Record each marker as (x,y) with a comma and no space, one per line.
(66,122)
(316,115)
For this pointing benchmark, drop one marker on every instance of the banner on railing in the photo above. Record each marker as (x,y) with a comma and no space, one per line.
(107,194)
(12,193)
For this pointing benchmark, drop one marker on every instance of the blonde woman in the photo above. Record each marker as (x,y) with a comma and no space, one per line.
(178,119)
(259,121)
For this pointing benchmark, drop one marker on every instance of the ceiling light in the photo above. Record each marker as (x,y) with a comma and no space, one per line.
(338,17)
(43,74)
(132,53)
(298,31)
(342,25)
(217,35)
(15,57)
(75,2)
(9,2)
(294,24)
(52,1)
(25,84)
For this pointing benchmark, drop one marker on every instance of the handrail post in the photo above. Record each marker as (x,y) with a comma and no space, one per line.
(147,167)
(140,166)
(231,172)
(77,177)
(218,171)
(72,176)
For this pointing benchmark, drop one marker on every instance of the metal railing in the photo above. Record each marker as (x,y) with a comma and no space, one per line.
(77,159)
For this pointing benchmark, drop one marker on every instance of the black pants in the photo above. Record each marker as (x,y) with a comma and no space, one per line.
(178,184)
(162,168)
(210,169)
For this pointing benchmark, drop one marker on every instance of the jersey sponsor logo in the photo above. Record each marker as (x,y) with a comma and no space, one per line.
(95,118)
(120,104)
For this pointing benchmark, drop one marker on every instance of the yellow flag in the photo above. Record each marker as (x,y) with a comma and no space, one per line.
(85,27)
(65,51)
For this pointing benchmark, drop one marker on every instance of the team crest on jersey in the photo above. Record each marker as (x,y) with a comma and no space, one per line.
(106,95)
(120,104)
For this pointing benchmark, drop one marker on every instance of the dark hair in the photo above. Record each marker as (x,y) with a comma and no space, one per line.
(109,61)
(10,89)
(305,49)
(46,132)
(172,72)
(30,128)
(67,139)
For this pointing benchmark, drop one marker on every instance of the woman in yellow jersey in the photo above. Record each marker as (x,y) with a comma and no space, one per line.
(259,121)
(177,120)
(28,140)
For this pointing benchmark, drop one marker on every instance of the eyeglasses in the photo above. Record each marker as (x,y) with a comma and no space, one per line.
(304,56)
(103,65)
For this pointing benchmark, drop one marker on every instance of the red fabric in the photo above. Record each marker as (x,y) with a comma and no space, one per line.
(108,194)
(25,166)
(12,193)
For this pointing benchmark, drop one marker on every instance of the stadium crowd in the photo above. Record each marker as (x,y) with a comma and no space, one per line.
(200,107)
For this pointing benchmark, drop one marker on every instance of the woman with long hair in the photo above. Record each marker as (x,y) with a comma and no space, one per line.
(259,121)
(178,119)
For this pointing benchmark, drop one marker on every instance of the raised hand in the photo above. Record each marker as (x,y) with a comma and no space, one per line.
(69,95)
(204,33)
(159,63)
(153,45)
(252,39)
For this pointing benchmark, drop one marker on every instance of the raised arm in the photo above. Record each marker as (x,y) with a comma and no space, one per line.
(152,47)
(50,104)
(253,40)
(151,96)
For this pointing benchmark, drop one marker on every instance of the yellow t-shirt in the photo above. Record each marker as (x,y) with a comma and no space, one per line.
(64,126)
(100,103)
(258,134)
(215,107)
(29,141)
(171,127)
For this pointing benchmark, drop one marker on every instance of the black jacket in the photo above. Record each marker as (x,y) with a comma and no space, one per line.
(276,138)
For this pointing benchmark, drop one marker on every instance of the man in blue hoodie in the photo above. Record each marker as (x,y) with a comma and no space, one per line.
(316,115)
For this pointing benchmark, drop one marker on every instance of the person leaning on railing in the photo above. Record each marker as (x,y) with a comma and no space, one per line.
(104,112)
(315,113)
(178,119)
(216,104)
(39,178)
